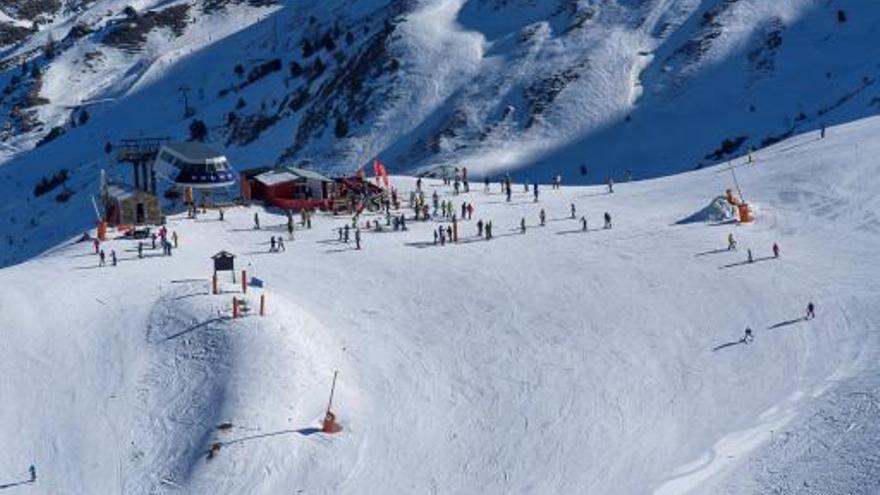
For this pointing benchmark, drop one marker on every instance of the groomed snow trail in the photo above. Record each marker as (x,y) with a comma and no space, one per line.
(555,361)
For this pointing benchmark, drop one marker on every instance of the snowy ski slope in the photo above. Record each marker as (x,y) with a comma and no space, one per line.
(554,361)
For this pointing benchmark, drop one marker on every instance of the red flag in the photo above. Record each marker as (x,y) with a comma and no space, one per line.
(379,171)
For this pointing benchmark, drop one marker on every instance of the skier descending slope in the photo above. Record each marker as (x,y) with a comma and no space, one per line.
(731,242)
(748,337)
(811,310)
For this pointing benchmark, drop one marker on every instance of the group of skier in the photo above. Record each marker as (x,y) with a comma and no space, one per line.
(276,245)
(732,244)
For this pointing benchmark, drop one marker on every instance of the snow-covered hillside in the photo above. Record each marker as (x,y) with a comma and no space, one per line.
(588,89)
(555,361)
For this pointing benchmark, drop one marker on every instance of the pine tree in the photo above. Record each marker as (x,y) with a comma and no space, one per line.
(198,130)
(341,127)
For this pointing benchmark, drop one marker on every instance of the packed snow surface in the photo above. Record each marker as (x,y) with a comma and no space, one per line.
(554,361)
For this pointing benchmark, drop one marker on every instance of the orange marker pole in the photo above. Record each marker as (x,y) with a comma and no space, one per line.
(329,424)
(235,312)
(243,282)
(262,304)
(215,290)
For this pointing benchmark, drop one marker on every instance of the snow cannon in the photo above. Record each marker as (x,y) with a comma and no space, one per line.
(330,425)
(746,215)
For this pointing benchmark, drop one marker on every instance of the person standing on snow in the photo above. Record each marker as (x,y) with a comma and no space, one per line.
(522,225)
(436,237)
(153,239)
(479,228)
(750,255)
(256,221)
(775,250)
(470,211)
(584,224)
(536,192)
(610,185)
(113,257)
(281,244)
(272,244)
(573,211)
(357,238)
(174,238)
(811,310)
(97,245)
(543,217)
(748,337)
(607,220)
(486,184)
(731,242)
(345,232)
(102,260)
(140,249)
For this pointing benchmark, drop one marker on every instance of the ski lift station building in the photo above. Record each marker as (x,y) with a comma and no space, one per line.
(195,165)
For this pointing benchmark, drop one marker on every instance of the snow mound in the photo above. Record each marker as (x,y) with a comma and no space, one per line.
(719,210)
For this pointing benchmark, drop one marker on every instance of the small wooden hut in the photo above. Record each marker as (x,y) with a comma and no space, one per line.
(129,206)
